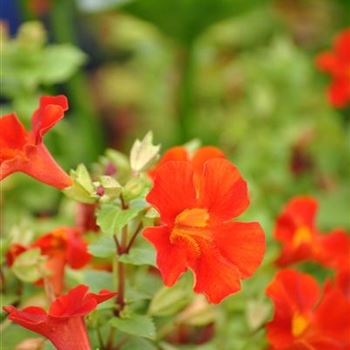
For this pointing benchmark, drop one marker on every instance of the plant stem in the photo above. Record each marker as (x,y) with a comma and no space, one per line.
(133,237)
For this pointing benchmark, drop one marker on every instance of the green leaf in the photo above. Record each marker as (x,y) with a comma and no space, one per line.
(28,266)
(98,280)
(168,301)
(59,62)
(140,325)
(111,218)
(143,153)
(103,247)
(138,344)
(83,189)
(139,256)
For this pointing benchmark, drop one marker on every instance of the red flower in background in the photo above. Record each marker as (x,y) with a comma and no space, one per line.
(198,158)
(334,249)
(64,324)
(197,232)
(23,151)
(62,246)
(337,64)
(304,319)
(295,229)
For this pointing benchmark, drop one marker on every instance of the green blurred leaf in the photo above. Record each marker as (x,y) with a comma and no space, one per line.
(103,247)
(28,266)
(140,325)
(139,256)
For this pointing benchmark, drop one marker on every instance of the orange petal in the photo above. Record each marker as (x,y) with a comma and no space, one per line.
(327,62)
(173,190)
(223,192)
(175,153)
(242,244)
(77,253)
(294,288)
(44,168)
(50,111)
(202,155)
(215,277)
(299,211)
(13,134)
(332,317)
(171,259)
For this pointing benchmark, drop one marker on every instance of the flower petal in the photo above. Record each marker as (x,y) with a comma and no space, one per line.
(215,277)
(77,253)
(50,111)
(102,295)
(242,244)
(299,211)
(72,304)
(222,190)
(44,168)
(296,289)
(332,316)
(13,134)
(171,259)
(173,190)
(202,155)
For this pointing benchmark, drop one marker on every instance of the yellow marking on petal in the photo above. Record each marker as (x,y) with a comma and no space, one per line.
(190,229)
(302,235)
(299,324)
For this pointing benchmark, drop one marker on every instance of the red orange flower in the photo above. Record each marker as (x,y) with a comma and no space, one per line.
(197,232)
(334,251)
(23,151)
(62,246)
(304,319)
(337,64)
(295,229)
(64,323)
(198,158)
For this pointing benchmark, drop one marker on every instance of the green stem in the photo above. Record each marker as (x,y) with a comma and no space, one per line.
(86,122)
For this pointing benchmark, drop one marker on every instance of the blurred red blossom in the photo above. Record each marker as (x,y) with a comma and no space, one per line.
(23,151)
(64,323)
(337,64)
(62,246)
(296,230)
(306,318)
(196,230)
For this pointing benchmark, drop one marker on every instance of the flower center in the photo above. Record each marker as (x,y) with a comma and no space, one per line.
(299,324)
(191,229)
(302,235)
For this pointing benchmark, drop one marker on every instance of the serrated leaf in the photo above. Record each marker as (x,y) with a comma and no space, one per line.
(103,247)
(139,256)
(112,218)
(140,325)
